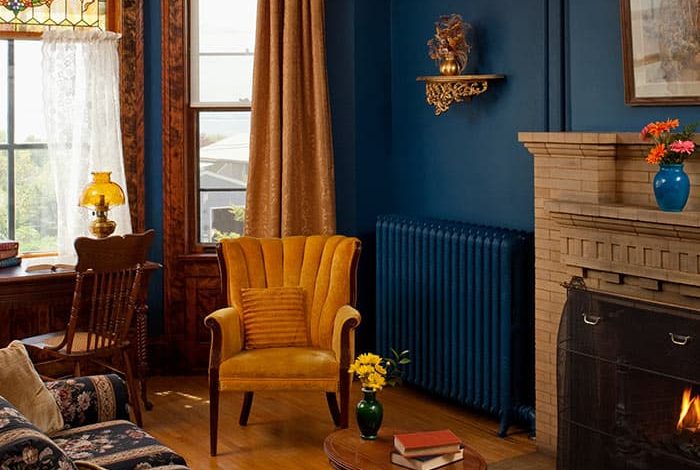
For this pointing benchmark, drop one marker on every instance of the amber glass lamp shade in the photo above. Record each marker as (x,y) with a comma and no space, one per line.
(99,195)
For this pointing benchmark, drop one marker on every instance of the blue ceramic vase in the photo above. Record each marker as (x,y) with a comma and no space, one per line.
(369,415)
(671,187)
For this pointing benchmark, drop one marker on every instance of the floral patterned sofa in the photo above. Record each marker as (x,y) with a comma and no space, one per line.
(96,435)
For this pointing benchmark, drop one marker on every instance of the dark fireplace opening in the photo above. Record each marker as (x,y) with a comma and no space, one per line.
(628,378)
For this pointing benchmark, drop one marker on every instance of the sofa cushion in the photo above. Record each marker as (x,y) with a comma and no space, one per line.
(274,317)
(91,399)
(21,385)
(115,445)
(23,446)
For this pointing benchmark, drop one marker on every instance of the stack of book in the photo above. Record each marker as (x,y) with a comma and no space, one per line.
(8,253)
(427,450)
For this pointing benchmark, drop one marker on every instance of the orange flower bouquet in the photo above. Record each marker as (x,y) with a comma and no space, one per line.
(669,151)
(669,147)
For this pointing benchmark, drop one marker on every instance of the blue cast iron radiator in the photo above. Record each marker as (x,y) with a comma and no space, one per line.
(460,297)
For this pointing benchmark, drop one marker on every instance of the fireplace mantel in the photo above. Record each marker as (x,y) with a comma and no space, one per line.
(618,241)
(596,217)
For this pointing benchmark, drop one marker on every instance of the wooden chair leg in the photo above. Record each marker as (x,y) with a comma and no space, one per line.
(333,407)
(344,399)
(132,386)
(213,411)
(245,409)
(148,405)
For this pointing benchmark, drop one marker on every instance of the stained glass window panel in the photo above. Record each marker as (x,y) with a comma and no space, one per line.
(39,15)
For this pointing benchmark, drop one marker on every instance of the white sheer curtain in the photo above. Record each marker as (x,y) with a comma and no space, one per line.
(81,101)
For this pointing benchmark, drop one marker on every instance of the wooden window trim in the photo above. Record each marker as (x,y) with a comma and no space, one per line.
(180,191)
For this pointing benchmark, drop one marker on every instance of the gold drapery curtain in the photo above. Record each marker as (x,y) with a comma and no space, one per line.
(291,189)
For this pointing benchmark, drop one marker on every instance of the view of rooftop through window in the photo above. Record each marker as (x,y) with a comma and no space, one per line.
(222,78)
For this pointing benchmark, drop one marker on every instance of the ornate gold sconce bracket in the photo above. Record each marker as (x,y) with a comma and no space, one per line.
(442,91)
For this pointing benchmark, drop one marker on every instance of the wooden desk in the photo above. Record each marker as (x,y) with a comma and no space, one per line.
(38,302)
(346,450)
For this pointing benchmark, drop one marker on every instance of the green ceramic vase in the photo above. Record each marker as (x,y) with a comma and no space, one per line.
(369,415)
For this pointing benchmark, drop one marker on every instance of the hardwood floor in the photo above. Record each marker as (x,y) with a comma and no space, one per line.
(286,430)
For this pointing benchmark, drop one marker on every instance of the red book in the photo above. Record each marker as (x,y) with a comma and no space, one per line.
(4,254)
(8,245)
(419,444)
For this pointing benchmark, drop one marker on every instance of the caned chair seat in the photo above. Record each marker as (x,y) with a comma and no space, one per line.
(83,342)
(281,369)
(324,268)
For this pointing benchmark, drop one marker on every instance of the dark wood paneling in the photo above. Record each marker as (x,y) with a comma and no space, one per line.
(203,296)
(23,319)
(132,107)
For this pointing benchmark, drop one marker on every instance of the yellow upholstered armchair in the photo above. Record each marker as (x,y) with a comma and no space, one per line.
(324,267)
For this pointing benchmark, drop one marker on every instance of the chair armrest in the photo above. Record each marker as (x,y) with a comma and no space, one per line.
(89,400)
(346,321)
(226,335)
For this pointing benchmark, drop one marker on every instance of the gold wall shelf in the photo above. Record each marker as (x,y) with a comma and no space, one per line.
(442,91)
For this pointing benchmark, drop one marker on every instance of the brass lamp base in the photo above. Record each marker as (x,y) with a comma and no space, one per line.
(102,227)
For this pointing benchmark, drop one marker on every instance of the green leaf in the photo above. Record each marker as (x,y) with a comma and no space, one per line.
(405,361)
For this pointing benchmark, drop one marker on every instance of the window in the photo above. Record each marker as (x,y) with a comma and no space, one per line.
(28,211)
(27,198)
(221,68)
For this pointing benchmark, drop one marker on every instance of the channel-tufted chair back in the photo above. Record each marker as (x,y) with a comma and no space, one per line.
(324,266)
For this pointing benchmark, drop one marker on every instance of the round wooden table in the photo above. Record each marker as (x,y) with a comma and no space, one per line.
(346,450)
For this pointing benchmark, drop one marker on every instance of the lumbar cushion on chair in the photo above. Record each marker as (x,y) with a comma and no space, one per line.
(21,385)
(274,317)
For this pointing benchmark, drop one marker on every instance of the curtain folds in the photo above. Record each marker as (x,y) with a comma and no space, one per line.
(291,188)
(81,101)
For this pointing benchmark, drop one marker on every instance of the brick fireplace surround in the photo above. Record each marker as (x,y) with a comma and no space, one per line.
(596,217)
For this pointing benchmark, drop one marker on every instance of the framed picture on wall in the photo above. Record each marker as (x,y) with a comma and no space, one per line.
(661,51)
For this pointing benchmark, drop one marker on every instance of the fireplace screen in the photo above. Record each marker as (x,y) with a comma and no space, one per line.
(628,384)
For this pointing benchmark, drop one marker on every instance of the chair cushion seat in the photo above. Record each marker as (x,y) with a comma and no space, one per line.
(115,445)
(281,363)
(50,340)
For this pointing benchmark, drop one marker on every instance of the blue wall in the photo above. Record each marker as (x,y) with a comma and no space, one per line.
(563,67)
(359,69)
(467,164)
(154,158)
(594,75)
